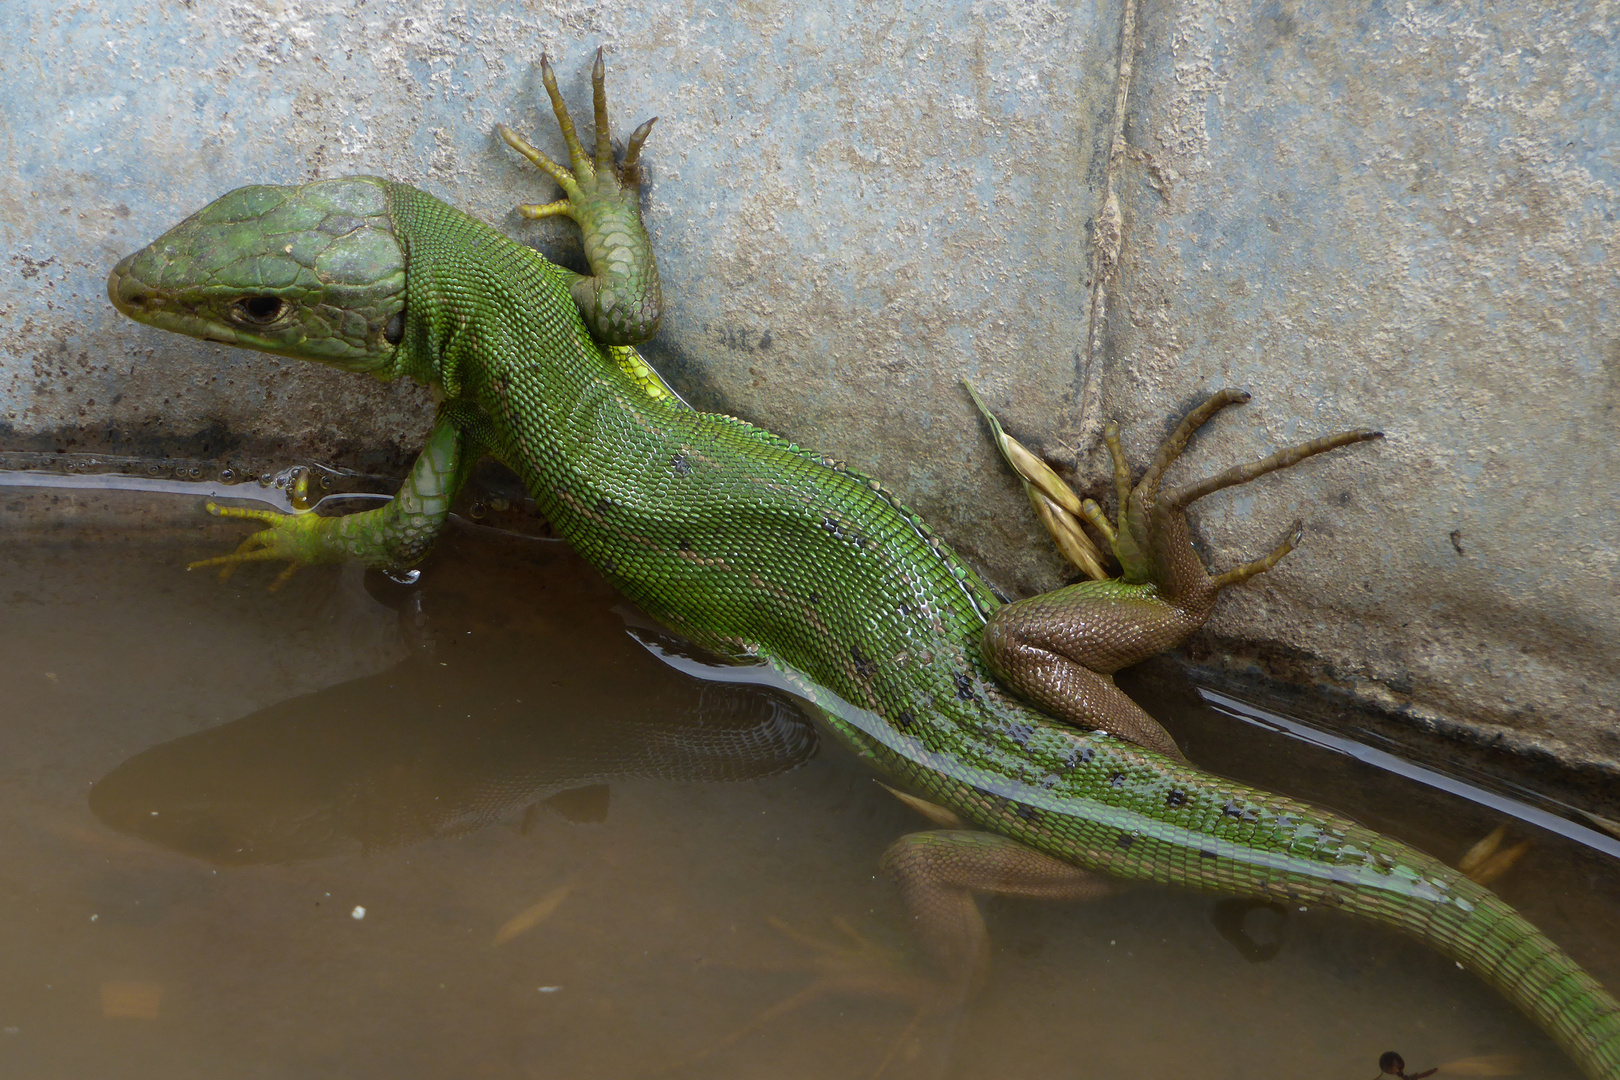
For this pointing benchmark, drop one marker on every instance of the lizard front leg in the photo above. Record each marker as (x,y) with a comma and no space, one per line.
(393,538)
(621,300)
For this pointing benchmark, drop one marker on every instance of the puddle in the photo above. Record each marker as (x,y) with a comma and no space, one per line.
(473,828)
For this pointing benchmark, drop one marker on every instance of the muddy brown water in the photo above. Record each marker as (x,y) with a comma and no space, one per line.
(473,828)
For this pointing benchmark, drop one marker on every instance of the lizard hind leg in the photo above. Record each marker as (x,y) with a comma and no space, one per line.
(1058,651)
(941,871)
(938,872)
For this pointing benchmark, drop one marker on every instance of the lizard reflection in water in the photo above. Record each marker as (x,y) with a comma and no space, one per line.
(496,710)
(1005,716)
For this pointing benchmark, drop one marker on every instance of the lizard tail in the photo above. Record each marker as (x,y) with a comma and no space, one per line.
(1485,935)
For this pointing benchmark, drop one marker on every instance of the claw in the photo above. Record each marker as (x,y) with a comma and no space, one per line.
(576,153)
(564,178)
(604,140)
(1260,566)
(1147,489)
(1282,459)
(630,170)
(1148,519)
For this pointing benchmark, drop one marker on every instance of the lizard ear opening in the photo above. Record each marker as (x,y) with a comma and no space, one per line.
(394,332)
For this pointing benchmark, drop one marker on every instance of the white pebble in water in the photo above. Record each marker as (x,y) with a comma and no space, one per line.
(358,912)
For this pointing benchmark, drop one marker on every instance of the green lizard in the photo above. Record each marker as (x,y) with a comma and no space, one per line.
(772,556)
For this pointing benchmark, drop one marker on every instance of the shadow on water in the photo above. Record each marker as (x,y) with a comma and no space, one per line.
(440,748)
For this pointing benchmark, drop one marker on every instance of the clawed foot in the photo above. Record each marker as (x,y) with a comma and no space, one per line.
(1058,651)
(287,539)
(853,966)
(590,180)
(1147,524)
(1147,519)
(621,301)
(1488,860)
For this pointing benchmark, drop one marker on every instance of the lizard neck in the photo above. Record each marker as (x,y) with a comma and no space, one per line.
(481,309)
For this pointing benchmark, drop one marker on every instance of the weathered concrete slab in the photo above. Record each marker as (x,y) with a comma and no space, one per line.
(1381,214)
(853,208)
(1403,215)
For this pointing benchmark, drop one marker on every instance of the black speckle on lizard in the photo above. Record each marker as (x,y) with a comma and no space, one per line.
(1177,797)
(679,465)
(1116,779)
(1019,731)
(904,720)
(964,685)
(863,664)
(1125,840)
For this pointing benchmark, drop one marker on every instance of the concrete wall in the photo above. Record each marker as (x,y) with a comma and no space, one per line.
(1405,215)
(1377,214)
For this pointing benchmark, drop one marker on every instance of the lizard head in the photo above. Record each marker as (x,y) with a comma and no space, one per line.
(314,272)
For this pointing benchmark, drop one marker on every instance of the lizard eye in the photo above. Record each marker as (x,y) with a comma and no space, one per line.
(258,310)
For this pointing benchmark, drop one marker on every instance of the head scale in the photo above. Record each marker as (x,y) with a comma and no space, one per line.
(314,271)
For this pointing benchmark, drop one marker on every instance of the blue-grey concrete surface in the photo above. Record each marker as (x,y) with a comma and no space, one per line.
(1402,215)
(853,208)
(1390,214)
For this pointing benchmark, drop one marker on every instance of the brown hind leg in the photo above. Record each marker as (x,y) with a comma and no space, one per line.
(940,872)
(1059,650)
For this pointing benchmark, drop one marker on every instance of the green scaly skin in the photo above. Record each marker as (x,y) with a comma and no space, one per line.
(762,552)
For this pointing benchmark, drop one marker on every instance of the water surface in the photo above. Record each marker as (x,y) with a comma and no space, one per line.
(473,828)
